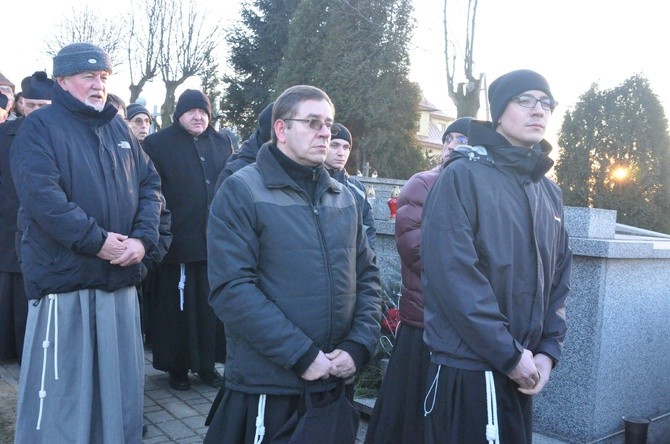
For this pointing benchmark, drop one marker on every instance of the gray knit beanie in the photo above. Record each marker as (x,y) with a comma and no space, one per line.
(134,109)
(506,87)
(79,57)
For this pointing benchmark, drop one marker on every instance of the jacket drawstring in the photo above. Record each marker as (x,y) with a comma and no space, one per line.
(53,309)
(260,420)
(182,284)
(435,383)
(492,410)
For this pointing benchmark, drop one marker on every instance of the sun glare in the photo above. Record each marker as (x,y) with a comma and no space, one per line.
(620,173)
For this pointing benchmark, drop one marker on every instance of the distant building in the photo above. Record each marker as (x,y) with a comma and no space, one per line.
(5,81)
(432,124)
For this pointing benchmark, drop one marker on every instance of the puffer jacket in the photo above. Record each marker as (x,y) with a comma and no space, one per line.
(495,255)
(287,275)
(79,174)
(408,238)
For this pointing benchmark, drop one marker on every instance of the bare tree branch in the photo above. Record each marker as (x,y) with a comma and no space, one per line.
(82,25)
(143,45)
(188,41)
(465,95)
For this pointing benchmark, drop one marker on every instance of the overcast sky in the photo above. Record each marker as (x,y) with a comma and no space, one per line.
(573,43)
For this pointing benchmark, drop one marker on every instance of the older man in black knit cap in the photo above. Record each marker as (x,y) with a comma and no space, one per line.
(496,271)
(36,92)
(89,212)
(189,156)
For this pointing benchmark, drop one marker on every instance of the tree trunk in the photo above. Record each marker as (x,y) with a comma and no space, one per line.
(169,104)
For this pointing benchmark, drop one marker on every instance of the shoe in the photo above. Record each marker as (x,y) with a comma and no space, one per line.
(211,377)
(144,430)
(179,381)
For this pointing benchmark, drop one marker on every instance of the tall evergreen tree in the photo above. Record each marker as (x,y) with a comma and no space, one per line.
(257,46)
(357,52)
(616,154)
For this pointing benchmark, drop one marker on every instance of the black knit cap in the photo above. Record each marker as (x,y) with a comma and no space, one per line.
(134,109)
(460,125)
(265,123)
(509,85)
(79,57)
(342,133)
(4,100)
(190,99)
(37,87)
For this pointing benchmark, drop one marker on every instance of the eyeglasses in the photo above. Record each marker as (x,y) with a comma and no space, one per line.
(528,101)
(317,124)
(461,140)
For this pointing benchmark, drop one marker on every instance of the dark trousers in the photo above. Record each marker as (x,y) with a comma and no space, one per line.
(13,315)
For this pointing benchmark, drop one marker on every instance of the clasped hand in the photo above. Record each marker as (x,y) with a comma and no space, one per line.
(337,363)
(121,250)
(532,372)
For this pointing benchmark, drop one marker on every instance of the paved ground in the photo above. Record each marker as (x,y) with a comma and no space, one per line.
(171,416)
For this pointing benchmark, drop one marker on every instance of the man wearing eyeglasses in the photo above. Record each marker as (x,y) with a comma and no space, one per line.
(496,271)
(292,277)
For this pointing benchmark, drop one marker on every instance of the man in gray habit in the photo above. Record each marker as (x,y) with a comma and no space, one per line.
(89,212)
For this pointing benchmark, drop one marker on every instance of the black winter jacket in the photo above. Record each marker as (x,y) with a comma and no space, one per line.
(246,155)
(287,275)
(9,200)
(188,166)
(358,190)
(79,173)
(495,255)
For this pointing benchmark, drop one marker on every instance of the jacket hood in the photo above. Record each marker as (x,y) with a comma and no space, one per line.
(250,147)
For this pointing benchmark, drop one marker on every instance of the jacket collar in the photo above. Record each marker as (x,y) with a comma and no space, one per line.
(274,176)
(80,110)
(532,162)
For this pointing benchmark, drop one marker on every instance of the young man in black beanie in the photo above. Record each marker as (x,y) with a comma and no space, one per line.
(89,212)
(496,271)
(36,92)
(340,148)
(189,156)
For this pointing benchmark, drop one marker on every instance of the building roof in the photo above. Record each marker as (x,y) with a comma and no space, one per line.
(425,105)
(5,81)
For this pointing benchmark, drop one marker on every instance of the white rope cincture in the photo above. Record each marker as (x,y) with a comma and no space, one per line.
(260,420)
(426,410)
(492,435)
(45,345)
(182,284)
(55,299)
